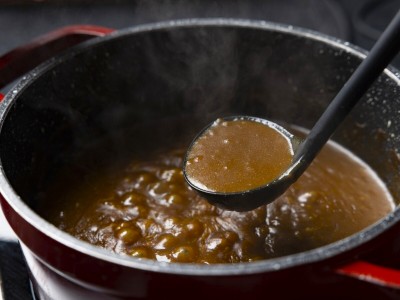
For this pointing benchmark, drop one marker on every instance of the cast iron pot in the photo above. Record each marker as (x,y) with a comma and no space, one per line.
(140,89)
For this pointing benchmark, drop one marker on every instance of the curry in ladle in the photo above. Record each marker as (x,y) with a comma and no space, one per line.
(238,154)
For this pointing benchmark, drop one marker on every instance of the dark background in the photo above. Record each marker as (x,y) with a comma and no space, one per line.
(357,21)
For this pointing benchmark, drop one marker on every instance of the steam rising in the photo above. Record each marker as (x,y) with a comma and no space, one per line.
(203,67)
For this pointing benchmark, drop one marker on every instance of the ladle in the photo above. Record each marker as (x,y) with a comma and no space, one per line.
(363,77)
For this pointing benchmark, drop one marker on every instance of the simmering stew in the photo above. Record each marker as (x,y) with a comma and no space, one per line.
(147,210)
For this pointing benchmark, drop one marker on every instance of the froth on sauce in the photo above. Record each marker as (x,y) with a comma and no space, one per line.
(238,155)
(146,210)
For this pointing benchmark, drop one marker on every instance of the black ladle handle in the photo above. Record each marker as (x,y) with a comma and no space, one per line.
(382,53)
(369,70)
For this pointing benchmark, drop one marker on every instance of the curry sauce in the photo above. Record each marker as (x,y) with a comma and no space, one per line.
(146,210)
(238,155)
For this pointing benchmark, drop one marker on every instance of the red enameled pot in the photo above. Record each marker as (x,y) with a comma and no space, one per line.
(137,83)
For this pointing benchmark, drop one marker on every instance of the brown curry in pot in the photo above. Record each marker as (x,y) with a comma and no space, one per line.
(146,210)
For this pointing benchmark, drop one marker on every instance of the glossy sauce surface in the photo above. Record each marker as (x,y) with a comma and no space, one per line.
(238,155)
(146,210)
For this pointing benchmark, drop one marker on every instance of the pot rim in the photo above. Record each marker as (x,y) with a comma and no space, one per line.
(273,264)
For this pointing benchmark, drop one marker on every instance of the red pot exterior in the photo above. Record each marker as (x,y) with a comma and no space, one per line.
(310,280)
(23,59)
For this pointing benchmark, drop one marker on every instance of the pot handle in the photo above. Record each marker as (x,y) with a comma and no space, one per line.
(372,273)
(24,58)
